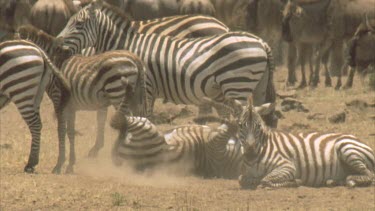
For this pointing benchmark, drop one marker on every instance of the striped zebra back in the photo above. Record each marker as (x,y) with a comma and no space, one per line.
(182,26)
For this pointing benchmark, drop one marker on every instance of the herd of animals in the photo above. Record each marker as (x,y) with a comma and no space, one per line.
(89,55)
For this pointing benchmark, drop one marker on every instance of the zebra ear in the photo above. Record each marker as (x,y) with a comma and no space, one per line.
(265,108)
(250,106)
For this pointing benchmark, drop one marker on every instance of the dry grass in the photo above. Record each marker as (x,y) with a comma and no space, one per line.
(97,185)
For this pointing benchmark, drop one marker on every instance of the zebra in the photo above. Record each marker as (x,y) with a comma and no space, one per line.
(180,26)
(98,81)
(184,26)
(25,72)
(51,16)
(181,71)
(202,150)
(279,159)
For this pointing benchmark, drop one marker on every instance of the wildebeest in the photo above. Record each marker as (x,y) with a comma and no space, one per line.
(13,13)
(263,17)
(361,49)
(338,20)
(51,16)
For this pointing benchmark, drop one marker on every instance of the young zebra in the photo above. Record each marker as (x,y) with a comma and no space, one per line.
(279,159)
(183,71)
(199,149)
(112,78)
(25,72)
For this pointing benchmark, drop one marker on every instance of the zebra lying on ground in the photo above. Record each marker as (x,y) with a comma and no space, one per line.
(228,66)
(96,83)
(279,159)
(198,149)
(25,72)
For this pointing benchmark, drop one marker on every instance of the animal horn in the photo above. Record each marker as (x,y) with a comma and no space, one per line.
(368,23)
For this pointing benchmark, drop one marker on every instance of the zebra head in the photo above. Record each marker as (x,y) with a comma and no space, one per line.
(81,30)
(252,127)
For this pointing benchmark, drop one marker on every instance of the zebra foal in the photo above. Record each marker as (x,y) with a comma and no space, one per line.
(279,159)
(111,78)
(201,150)
(25,73)
(183,71)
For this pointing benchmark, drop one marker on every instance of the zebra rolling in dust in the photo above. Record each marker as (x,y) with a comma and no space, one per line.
(200,149)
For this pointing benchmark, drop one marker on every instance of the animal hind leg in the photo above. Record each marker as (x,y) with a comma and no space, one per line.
(71,136)
(101,117)
(360,174)
(35,126)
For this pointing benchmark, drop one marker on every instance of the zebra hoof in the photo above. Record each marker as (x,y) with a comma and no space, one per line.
(29,169)
(350,184)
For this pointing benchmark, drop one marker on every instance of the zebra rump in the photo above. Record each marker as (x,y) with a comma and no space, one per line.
(25,72)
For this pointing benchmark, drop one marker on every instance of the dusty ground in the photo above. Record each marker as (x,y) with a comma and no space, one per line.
(97,185)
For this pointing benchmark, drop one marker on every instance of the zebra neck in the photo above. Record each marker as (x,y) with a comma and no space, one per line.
(261,132)
(44,44)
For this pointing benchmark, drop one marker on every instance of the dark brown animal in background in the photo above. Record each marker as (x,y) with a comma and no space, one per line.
(51,16)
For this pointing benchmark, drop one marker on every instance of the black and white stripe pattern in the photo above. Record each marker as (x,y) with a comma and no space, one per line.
(25,72)
(183,26)
(180,70)
(199,149)
(112,78)
(281,159)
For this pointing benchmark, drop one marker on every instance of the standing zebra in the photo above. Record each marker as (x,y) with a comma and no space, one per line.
(200,149)
(112,78)
(227,66)
(279,159)
(25,72)
(182,26)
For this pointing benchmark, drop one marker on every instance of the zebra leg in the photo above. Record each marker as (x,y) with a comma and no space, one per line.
(101,117)
(116,160)
(362,176)
(61,130)
(71,136)
(35,126)
(280,177)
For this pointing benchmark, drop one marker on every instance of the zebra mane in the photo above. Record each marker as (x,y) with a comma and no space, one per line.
(36,35)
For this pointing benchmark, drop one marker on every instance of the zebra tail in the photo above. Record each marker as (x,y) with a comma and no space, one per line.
(270,119)
(54,69)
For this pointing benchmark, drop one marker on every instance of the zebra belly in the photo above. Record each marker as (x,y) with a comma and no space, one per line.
(316,174)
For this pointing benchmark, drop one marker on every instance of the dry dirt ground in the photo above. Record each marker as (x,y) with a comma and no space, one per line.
(97,185)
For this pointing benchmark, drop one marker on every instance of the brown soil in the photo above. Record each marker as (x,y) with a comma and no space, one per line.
(98,185)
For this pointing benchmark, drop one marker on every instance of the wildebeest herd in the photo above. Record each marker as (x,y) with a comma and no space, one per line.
(89,55)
